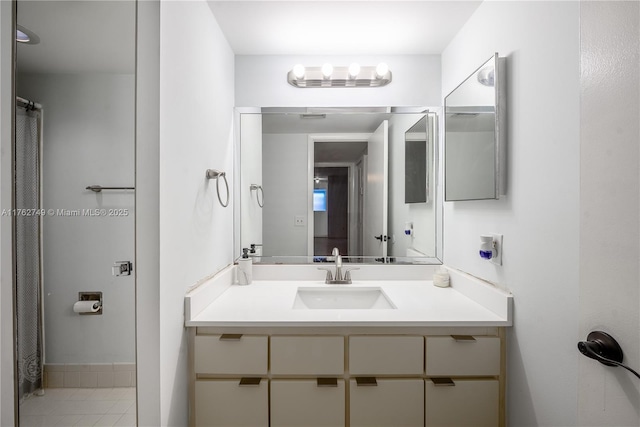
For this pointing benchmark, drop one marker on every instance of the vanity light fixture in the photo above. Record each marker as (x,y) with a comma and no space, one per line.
(329,76)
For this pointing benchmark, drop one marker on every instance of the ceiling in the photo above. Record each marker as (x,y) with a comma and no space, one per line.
(332,152)
(341,27)
(330,123)
(99,36)
(78,36)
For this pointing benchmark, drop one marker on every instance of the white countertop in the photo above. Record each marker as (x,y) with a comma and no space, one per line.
(418,303)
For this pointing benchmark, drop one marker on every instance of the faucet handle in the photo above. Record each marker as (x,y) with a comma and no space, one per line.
(347,273)
(329,276)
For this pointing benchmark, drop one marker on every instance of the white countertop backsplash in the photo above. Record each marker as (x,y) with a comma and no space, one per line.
(269,300)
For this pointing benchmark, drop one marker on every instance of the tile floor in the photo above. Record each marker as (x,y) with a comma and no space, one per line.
(80,407)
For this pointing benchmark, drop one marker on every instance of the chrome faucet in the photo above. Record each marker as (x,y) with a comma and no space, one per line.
(338,279)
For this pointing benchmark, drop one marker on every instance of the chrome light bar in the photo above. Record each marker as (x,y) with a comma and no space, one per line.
(340,77)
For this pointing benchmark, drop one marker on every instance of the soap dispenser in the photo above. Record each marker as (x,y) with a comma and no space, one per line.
(245,264)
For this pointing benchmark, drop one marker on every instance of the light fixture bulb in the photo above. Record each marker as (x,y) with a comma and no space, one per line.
(382,69)
(26,36)
(327,70)
(298,71)
(354,70)
(22,37)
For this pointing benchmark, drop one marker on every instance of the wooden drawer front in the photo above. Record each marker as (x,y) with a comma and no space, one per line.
(470,403)
(397,403)
(307,355)
(225,403)
(246,356)
(296,403)
(446,356)
(399,355)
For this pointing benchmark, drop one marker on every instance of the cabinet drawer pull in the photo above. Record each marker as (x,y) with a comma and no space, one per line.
(442,382)
(463,338)
(230,337)
(366,381)
(327,382)
(246,381)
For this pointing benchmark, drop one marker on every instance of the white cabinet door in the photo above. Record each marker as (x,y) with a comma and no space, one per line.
(386,355)
(468,403)
(397,403)
(299,355)
(229,354)
(448,356)
(224,403)
(296,403)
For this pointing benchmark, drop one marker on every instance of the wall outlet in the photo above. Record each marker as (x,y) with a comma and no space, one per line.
(299,221)
(497,243)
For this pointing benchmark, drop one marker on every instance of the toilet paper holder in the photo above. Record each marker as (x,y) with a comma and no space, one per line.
(91,296)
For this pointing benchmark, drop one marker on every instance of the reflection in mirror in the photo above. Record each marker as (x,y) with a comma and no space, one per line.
(415,163)
(335,178)
(75,129)
(474,135)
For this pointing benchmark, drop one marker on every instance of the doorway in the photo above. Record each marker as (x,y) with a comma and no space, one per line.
(74,247)
(338,192)
(331,210)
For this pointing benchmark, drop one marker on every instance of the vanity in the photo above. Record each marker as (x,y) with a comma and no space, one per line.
(390,349)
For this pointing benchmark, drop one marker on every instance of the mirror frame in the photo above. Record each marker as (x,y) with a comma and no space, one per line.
(435,123)
(500,131)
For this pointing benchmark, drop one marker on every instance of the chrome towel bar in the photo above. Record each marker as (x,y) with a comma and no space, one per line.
(99,188)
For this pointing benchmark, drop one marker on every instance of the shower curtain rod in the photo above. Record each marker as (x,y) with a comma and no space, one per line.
(26,103)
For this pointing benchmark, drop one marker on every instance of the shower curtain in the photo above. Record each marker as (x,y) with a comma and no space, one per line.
(27,251)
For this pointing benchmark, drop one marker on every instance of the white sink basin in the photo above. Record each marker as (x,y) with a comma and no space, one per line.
(342,298)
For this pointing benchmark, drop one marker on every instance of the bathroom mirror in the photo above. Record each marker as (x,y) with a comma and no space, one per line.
(312,179)
(75,128)
(415,163)
(475,135)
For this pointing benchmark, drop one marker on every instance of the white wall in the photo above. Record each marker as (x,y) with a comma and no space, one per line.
(610,207)
(196,125)
(6,272)
(422,215)
(285,176)
(148,290)
(262,81)
(88,137)
(539,215)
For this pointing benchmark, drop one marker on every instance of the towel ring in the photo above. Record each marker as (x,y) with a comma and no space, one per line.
(215,174)
(258,195)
